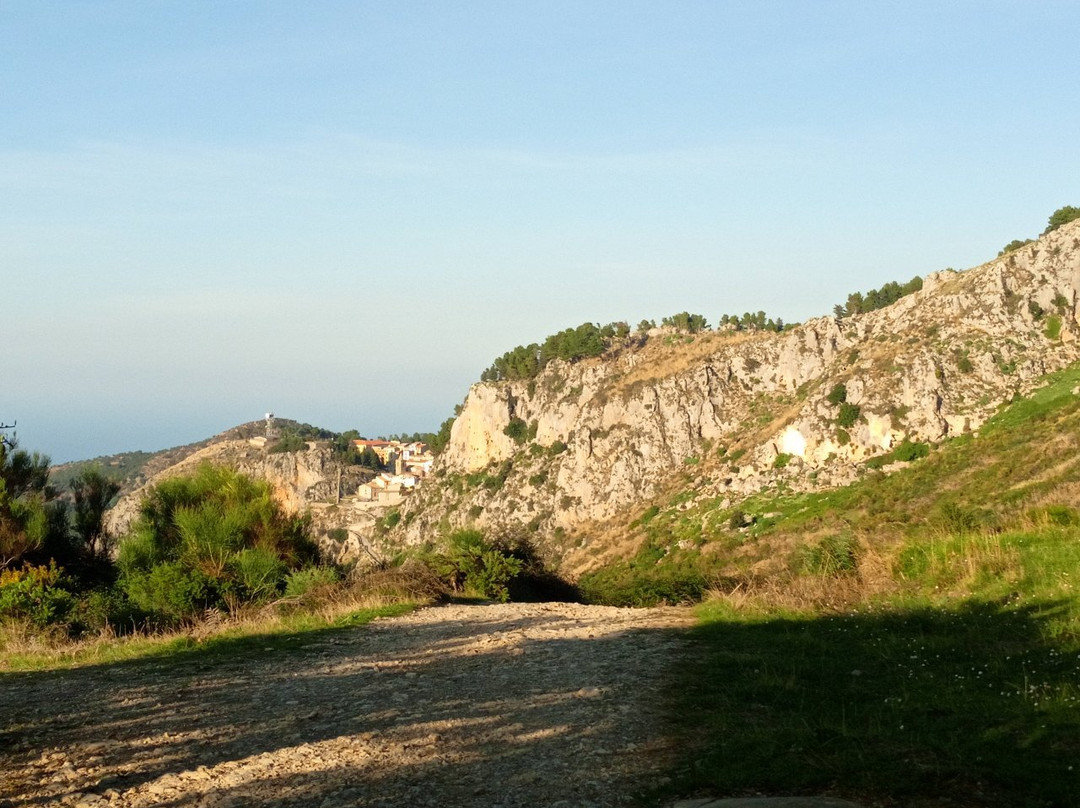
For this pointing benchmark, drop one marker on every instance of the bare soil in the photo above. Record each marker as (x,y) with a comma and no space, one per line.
(490,705)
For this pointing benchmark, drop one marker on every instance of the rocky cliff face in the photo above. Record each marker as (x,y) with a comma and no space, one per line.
(742,412)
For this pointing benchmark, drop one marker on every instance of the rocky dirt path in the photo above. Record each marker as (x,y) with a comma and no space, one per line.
(495,705)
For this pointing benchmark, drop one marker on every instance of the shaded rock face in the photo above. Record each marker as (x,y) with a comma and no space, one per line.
(935,364)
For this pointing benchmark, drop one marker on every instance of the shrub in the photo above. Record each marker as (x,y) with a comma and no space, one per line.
(832,556)
(685,321)
(569,345)
(213,539)
(495,480)
(173,593)
(517,430)
(838,395)
(105,608)
(308,579)
(557,448)
(288,443)
(905,452)
(737,520)
(1061,216)
(1053,327)
(956,520)
(36,594)
(859,303)
(781,460)
(260,572)
(1015,244)
(641,587)
(849,414)
(475,566)
(908,451)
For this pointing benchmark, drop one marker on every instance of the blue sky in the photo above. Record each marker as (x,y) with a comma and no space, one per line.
(343,211)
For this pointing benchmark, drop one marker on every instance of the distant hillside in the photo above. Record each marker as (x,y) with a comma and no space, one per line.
(134,469)
(574,453)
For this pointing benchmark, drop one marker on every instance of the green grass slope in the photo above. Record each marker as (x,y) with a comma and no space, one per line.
(910,640)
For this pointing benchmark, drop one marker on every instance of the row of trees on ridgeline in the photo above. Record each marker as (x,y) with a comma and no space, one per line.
(592,339)
(860,303)
(1063,215)
(570,345)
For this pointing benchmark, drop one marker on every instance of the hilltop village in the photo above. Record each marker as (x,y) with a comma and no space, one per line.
(407,465)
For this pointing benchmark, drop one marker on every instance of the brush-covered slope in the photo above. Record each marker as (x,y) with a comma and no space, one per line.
(731,414)
(308,479)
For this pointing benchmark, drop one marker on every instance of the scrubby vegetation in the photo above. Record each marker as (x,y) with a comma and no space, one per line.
(215,540)
(912,637)
(209,549)
(685,321)
(751,321)
(1015,244)
(1059,217)
(569,345)
(860,303)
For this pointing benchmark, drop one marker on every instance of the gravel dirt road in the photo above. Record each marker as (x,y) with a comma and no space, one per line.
(489,705)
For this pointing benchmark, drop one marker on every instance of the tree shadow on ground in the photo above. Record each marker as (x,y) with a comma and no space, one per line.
(973,706)
(429,713)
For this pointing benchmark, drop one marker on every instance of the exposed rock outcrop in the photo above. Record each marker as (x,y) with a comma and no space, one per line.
(745,411)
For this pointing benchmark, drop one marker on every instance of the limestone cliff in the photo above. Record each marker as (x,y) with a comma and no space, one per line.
(741,412)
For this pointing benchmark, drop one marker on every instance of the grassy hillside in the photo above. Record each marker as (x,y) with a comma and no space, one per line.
(913,639)
(972,503)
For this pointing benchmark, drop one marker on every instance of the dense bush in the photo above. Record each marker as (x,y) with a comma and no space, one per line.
(288,443)
(905,452)
(214,539)
(517,430)
(473,565)
(849,414)
(35,593)
(501,569)
(441,438)
(637,586)
(1053,327)
(685,321)
(1061,216)
(33,523)
(309,579)
(1015,244)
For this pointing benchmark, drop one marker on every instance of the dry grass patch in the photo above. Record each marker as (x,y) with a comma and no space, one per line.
(659,361)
